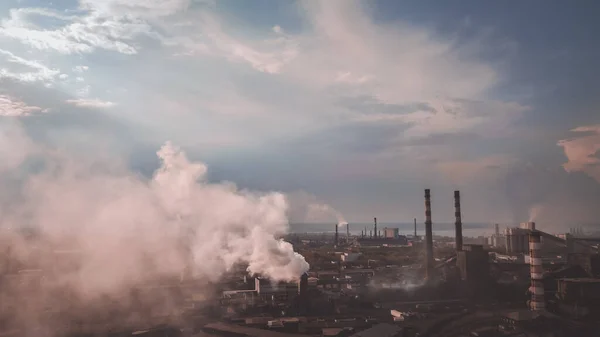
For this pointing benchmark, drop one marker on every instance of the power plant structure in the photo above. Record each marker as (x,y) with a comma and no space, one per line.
(458,223)
(336,242)
(375,227)
(415,228)
(537,272)
(429,261)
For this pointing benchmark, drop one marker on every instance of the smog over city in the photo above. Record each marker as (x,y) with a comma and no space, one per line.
(340,168)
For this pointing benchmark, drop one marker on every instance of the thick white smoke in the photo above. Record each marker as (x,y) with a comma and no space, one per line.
(118,230)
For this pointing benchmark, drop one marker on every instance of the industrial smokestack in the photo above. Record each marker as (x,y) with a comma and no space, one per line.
(537,278)
(348,230)
(303,285)
(428,236)
(303,299)
(336,235)
(458,223)
(375,227)
(415,227)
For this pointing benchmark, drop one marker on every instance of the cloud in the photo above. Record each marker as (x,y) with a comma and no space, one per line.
(142,8)
(90,103)
(80,69)
(32,71)
(582,151)
(268,55)
(82,34)
(474,171)
(11,107)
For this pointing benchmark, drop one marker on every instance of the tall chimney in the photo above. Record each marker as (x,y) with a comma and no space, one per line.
(336,235)
(348,230)
(428,236)
(458,223)
(535,262)
(375,227)
(415,228)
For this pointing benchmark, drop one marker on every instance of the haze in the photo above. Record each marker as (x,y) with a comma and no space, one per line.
(358,104)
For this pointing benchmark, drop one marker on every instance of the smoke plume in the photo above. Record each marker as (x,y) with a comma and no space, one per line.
(305,207)
(98,231)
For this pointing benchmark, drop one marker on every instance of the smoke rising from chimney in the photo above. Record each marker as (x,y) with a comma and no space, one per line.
(305,207)
(118,230)
(534,211)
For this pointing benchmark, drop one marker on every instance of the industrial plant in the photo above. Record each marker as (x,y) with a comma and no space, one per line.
(521,282)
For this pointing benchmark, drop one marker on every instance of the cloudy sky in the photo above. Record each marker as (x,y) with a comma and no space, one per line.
(360,103)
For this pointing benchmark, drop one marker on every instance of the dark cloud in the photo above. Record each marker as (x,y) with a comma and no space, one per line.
(370,105)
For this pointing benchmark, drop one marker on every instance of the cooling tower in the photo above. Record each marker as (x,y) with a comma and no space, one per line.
(428,236)
(458,223)
(537,277)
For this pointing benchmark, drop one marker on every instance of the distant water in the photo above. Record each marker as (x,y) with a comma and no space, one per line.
(441,229)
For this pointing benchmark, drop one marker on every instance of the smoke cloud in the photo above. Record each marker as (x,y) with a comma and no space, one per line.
(305,207)
(100,231)
(582,151)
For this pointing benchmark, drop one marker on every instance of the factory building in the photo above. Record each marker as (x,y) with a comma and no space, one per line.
(579,297)
(349,257)
(473,263)
(391,233)
(517,240)
(277,291)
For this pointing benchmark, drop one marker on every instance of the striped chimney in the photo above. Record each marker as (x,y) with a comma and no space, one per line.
(535,261)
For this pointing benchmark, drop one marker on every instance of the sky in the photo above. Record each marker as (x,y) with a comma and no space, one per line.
(361,104)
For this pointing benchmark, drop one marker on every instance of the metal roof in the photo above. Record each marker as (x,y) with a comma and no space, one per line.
(380,330)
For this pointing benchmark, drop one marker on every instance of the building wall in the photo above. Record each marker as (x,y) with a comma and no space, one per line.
(391,233)
(473,263)
(517,240)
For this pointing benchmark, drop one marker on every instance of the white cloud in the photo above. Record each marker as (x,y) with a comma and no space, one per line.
(267,55)
(142,8)
(82,34)
(35,71)
(80,69)
(345,54)
(12,107)
(83,91)
(90,103)
(342,54)
(582,151)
